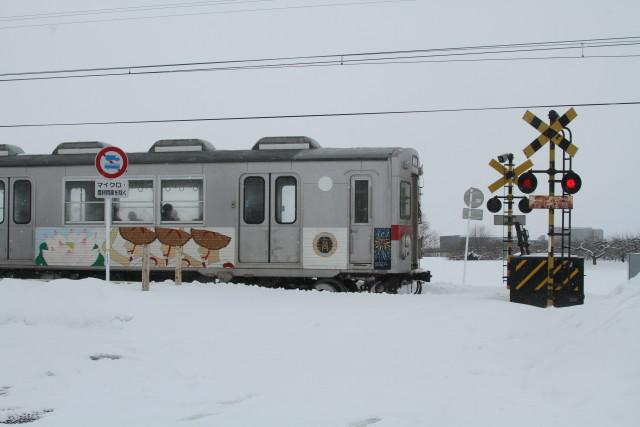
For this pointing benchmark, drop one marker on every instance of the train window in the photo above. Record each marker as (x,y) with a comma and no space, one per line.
(182,200)
(253,212)
(361,201)
(80,203)
(138,207)
(1,202)
(405,199)
(22,202)
(286,195)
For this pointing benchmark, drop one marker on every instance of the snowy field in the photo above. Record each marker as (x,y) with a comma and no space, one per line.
(87,353)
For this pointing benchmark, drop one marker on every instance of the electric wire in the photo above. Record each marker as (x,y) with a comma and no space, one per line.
(327,64)
(219,12)
(362,58)
(611,41)
(322,115)
(86,12)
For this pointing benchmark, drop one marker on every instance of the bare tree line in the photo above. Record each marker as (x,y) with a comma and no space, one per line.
(484,245)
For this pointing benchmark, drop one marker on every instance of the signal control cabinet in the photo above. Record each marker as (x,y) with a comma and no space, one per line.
(528,283)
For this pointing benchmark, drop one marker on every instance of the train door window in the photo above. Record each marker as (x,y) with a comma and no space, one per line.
(253,212)
(138,207)
(405,199)
(1,202)
(80,203)
(286,195)
(182,200)
(361,201)
(22,202)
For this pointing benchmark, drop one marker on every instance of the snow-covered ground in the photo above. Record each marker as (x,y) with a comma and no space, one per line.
(87,353)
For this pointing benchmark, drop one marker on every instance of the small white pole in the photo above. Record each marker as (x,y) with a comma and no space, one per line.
(107,230)
(178,275)
(466,249)
(145,268)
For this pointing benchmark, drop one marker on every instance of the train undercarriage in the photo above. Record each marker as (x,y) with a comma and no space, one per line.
(343,282)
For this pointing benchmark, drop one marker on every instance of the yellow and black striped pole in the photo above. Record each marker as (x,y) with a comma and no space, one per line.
(510,174)
(553,116)
(509,242)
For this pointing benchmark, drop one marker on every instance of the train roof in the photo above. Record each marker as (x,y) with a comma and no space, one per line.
(265,150)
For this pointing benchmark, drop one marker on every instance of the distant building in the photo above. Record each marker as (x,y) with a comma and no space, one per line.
(581,234)
(451,243)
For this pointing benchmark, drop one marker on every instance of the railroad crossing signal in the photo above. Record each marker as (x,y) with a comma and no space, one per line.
(571,182)
(508,177)
(561,277)
(527,182)
(550,133)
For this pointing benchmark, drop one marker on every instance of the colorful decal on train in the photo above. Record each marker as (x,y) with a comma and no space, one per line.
(325,248)
(382,248)
(84,247)
(325,244)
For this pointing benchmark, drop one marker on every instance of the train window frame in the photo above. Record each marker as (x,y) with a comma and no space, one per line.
(3,193)
(161,202)
(264,199)
(355,217)
(278,199)
(405,214)
(99,201)
(151,204)
(27,219)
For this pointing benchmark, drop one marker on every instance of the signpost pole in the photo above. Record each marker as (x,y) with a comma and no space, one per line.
(107,238)
(111,163)
(473,198)
(466,251)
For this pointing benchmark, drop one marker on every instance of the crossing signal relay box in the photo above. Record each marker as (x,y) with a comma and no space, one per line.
(529,284)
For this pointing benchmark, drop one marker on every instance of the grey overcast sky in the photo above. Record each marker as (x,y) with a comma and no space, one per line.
(455,147)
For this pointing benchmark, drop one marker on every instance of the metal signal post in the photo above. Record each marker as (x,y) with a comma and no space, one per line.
(558,274)
(510,173)
(554,279)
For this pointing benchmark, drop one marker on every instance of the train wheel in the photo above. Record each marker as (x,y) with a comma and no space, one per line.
(329,285)
(377,288)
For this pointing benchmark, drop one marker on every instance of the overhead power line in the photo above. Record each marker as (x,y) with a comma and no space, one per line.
(128,9)
(497,52)
(217,12)
(323,115)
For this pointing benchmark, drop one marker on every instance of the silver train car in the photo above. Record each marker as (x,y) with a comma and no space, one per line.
(285,213)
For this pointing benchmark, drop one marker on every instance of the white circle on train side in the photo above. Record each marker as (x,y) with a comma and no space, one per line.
(325,183)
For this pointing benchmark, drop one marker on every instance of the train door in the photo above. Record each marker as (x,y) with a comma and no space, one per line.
(253,233)
(270,220)
(361,223)
(4,223)
(284,243)
(415,217)
(16,219)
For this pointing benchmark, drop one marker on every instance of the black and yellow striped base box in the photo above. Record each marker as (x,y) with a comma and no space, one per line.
(528,281)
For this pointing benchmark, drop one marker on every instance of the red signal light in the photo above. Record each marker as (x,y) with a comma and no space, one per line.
(571,182)
(527,182)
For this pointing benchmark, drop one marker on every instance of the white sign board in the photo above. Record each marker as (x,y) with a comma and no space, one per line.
(472,214)
(112,188)
(504,219)
(473,197)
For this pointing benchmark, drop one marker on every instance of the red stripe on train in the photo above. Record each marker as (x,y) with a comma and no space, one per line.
(398,230)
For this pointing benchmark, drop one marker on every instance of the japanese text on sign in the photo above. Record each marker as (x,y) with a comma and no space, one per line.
(110,188)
